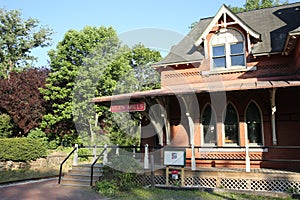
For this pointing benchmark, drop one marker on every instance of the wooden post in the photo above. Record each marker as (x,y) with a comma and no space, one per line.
(182,176)
(167,175)
(146,157)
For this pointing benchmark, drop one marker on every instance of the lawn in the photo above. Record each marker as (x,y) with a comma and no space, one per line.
(166,194)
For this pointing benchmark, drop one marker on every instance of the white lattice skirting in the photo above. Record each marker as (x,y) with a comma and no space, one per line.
(275,185)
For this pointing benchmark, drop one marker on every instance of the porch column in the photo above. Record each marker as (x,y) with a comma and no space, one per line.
(273,119)
(191,125)
(167,128)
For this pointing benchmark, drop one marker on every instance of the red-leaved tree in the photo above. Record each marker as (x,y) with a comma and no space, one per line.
(21,99)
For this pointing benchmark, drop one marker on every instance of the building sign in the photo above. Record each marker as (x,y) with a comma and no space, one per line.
(128,107)
(174,157)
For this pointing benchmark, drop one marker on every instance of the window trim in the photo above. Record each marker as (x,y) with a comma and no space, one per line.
(228,54)
(262,124)
(238,124)
(202,127)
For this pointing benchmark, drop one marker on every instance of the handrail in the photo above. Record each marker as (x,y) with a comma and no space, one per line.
(92,166)
(61,165)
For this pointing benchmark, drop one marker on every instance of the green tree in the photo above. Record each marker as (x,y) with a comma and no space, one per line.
(6,125)
(65,62)
(17,38)
(252,5)
(257,4)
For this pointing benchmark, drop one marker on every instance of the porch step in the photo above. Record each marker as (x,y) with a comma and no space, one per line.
(80,176)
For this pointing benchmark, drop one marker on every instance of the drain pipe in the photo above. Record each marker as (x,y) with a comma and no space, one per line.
(273,120)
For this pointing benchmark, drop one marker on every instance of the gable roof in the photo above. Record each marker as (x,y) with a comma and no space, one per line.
(273,25)
(225,10)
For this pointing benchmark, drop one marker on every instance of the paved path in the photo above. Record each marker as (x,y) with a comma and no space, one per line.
(46,190)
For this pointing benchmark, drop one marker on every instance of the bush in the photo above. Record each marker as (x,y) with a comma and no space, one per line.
(21,149)
(107,187)
(84,154)
(38,134)
(6,126)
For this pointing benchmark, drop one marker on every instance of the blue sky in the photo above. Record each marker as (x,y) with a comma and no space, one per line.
(125,16)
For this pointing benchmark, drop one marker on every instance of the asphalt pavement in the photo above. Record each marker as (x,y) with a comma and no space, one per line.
(47,189)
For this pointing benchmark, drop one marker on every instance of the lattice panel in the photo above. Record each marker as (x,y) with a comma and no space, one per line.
(201,182)
(230,156)
(235,184)
(280,185)
(274,185)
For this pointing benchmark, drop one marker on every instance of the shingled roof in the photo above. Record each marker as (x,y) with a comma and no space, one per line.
(273,24)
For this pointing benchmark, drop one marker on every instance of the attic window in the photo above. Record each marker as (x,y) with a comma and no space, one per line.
(228,49)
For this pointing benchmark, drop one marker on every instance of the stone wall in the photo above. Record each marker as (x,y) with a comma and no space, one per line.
(51,161)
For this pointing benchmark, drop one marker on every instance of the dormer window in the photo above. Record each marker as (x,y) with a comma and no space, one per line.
(228,49)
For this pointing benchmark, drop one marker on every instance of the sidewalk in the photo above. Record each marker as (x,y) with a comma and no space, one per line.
(45,190)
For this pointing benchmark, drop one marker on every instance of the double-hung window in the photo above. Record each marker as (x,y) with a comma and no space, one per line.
(228,49)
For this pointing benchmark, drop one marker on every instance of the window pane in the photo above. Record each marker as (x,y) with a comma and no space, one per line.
(237,60)
(209,126)
(219,62)
(218,51)
(253,120)
(237,48)
(231,126)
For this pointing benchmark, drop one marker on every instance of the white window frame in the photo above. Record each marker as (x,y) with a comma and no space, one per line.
(227,37)
(202,126)
(262,125)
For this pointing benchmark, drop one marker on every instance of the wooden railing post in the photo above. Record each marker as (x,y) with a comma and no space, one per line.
(146,157)
(105,159)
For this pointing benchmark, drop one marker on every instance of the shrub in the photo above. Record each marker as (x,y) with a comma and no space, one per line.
(6,126)
(107,187)
(84,154)
(21,149)
(38,134)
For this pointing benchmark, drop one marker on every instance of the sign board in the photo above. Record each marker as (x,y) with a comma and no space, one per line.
(174,157)
(128,107)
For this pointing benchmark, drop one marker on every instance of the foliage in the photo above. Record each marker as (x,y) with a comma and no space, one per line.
(84,154)
(21,149)
(257,4)
(92,63)
(21,99)
(39,135)
(17,38)
(251,5)
(6,125)
(113,181)
(65,62)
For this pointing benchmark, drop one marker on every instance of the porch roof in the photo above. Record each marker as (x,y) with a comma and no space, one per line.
(219,86)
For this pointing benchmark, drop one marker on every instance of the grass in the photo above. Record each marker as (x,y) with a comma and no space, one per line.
(18,175)
(165,194)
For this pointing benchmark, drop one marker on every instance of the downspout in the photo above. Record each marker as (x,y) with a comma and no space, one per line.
(273,119)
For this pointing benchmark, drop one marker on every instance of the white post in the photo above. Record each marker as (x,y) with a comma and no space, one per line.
(117,150)
(146,157)
(95,152)
(191,125)
(133,152)
(247,158)
(105,160)
(75,160)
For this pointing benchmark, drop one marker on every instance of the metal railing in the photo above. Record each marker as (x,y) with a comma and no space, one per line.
(61,165)
(93,164)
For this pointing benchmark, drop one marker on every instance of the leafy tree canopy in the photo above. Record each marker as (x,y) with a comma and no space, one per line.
(21,99)
(89,63)
(17,38)
(252,5)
